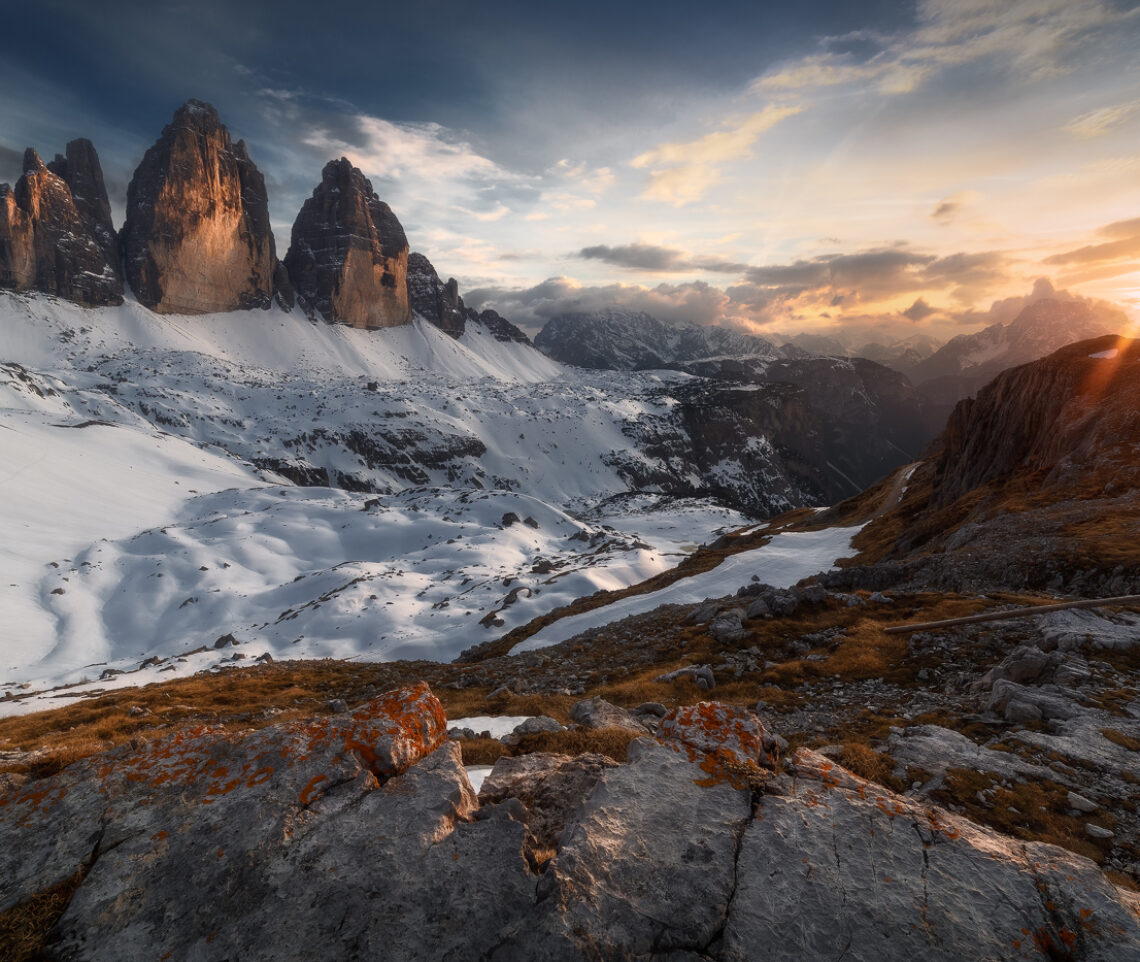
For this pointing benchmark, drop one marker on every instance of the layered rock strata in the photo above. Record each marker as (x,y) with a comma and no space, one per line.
(55,230)
(348,258)
(197,237)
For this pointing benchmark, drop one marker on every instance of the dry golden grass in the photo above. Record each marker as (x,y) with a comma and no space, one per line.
(611,742)
(482,751)
(1119,738)
(25,929)
(1037,811)
(867,763)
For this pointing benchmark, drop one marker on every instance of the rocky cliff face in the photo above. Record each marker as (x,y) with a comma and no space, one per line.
(1073,415)
(635,341)
(55,229)
(348,259)
(197,237)
(441,304)
(429,297)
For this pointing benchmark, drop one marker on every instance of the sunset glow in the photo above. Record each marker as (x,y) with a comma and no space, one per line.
(889,171)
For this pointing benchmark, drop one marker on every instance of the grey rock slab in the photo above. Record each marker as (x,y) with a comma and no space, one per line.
(935,749)
(844,869)
(599,713)
(1083,628)
(552,787)
(1082,739)
(647,866)
(370,872)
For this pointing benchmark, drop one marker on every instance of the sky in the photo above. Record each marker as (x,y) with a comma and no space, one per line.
(873,170)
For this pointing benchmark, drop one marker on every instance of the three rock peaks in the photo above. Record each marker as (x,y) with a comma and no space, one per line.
(197,237)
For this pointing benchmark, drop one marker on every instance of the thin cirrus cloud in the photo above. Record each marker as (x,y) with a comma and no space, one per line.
(1097,123)
(683,172)
(1035,38)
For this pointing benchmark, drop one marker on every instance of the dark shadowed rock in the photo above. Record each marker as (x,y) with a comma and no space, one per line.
(349,257)
(197,237)
(55,230)
(432,299)
(441,304)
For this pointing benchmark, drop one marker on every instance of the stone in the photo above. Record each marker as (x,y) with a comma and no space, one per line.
(727,628)
(599,713)
(551,787)
(1030,703)
(348,258)
(1082,804)
(532,726)
(55,233)
(197,237)
(722,733)
(1096,831)
(704,677)
(702,613)
(759,609)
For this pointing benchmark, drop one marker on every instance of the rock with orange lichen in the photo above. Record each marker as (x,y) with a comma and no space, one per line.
(357,836)
(252,782)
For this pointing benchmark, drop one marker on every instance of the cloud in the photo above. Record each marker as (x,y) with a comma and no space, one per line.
(918,310)
(1125,245)
(1098,122)
(683,171)
(690,303)
(1033,38)
(650,257)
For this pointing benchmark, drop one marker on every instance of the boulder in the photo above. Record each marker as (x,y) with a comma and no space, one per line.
(55,230)
(197,237)
(552,787)
(599,713)
(348,259)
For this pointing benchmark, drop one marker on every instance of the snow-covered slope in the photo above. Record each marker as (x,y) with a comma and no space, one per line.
(146,516)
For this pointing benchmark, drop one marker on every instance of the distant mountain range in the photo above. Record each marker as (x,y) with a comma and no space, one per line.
(969,361)
(616,340)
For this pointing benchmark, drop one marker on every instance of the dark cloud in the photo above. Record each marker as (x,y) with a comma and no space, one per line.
(690,303)
(642,257)
(945,210)
(649,257)
(918,310)
(11,162)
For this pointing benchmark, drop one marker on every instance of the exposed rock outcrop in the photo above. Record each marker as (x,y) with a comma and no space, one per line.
(430,298)
(348,258)
(197,237)
(441,304)
(55,229)
(357,835)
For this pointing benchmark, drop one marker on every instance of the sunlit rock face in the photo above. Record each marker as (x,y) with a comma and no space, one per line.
(348,259)
(197,237)
(55,229)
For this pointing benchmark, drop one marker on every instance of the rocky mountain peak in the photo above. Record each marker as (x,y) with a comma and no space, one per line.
(197,236)
(55,229)
(348,258)
(441,304)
